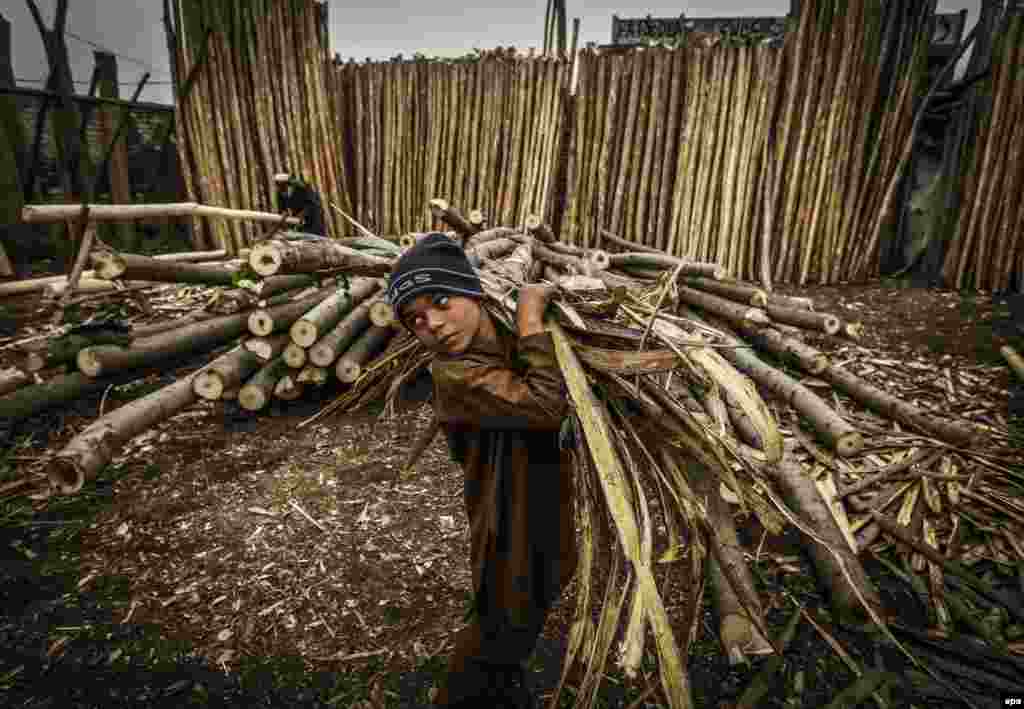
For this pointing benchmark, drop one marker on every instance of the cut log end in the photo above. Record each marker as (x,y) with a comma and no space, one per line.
(265,260)
(317,376)
(260,348)
(759,299)
(322,355)
(831,324)
(757,316)
(304,333)
(816,364)
(208,385)
(853,330)
(295,356)
(260,323)
(382,314)
(406,241)
(347,370)
(477,218)
(252,398)
(65,476)
(108,265)
(599,259)
(88,363)
(849,444)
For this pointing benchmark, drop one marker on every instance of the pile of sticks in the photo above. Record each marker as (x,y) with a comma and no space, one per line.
(252,102)
(486,131)
(985,251)
(691,391)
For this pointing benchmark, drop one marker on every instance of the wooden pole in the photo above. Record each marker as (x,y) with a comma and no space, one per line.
(43,213)
(120,189)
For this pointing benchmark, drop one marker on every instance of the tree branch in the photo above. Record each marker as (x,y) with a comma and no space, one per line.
(61,18)
(34,9)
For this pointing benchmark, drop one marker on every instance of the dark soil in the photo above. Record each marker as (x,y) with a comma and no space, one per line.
(190,573)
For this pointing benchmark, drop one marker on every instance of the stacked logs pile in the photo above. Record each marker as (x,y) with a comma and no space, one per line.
(776,163)
(669,364)
(253,101)
(485,130)
(986,250)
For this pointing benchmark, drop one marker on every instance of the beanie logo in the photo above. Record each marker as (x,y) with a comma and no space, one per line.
(416,279)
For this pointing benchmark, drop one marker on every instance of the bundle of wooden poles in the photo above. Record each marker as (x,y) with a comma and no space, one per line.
(776,163)
(253,101)
(485,131)
(668,363)
(986,250)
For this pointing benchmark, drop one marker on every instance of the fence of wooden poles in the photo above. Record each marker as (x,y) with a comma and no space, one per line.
(780,163)
(751,156)
(986,250)
(253,102)
(486,131)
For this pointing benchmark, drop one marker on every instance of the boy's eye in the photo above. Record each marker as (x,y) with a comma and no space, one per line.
(440,300)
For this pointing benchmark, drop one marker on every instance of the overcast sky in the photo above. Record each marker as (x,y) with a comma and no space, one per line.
(378,29)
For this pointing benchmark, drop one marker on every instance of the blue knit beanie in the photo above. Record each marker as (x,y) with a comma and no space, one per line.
(435,263)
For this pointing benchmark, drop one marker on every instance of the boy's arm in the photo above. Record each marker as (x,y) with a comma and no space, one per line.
(482,391)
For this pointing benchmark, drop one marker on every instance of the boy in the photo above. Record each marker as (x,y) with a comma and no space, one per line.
(499,397)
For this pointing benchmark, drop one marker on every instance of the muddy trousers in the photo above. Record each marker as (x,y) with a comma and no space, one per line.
(487,666)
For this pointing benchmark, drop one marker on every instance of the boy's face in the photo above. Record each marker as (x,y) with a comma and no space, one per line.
(444,323)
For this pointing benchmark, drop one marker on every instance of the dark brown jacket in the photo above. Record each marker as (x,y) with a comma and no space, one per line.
(502,411)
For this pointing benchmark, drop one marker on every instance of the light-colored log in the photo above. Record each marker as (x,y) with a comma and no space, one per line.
(642,259)
(43,213)
(799,492)
(264,321)
(823,322)
(937,424)
(258,391)
(732,311)
(225,373)
(120,266)
(321,319)
(786,348)
(739,292)
(329,347)
(351,364)
(30,285)
(267,348)
(1013,359)
(90,451)
(295,356)
(197,337)
(279,256)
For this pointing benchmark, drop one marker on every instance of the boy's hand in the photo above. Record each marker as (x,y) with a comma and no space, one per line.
(533,299)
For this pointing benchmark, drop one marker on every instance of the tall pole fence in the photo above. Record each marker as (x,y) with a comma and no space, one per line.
(782,163)
(986,248)
(484,133)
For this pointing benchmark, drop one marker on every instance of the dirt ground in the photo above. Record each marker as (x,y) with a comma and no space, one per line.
(232,559)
